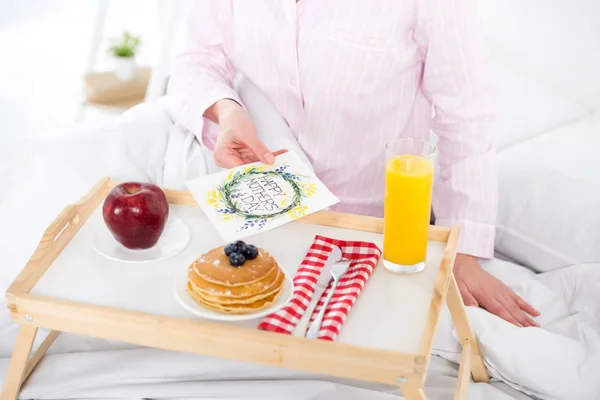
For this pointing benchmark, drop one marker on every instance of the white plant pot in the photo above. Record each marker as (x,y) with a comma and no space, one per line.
(125,68)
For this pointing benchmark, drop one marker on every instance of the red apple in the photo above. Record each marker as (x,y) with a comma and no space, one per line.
(136,214)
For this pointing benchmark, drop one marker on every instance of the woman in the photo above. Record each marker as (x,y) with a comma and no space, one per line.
(348,76)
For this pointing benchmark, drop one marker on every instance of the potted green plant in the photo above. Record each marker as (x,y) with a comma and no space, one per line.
(124,51)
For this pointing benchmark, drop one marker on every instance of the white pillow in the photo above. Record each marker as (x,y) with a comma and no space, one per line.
(526,108)
(549,214)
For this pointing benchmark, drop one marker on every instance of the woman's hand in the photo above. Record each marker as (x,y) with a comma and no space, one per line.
(480,289)
(237,143)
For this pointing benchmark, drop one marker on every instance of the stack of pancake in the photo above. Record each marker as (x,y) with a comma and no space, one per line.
(216,284)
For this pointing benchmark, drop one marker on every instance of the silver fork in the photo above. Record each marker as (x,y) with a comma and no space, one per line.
(338,270)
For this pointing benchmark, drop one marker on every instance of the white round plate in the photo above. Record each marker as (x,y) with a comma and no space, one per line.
(174,239)
(192,306)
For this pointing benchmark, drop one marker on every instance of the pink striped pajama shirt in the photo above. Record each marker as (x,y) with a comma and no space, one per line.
(348,76)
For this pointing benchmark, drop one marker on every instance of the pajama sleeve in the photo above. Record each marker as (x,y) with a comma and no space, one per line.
(456,79)
(202,73)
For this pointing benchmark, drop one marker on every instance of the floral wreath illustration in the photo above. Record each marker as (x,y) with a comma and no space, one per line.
(224,198)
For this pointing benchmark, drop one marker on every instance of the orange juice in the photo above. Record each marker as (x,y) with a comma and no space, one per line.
(408,181)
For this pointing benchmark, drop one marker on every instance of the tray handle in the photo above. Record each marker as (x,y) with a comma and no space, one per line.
(70,215)
(55,238)
(51,235)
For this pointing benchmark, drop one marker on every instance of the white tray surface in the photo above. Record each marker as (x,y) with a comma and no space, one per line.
(390,313)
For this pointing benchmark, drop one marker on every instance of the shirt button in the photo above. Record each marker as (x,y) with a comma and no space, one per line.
(293,81)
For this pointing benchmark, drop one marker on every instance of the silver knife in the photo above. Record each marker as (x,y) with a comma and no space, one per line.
(322,283)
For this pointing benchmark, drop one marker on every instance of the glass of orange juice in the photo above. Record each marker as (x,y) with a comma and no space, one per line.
(407,207)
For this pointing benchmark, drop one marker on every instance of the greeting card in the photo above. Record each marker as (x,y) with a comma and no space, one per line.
(257,197)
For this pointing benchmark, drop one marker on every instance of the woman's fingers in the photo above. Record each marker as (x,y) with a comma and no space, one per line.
(259,149)
(525,306)
(499,309)
(531,322)
(511,305)
(280,152)
(227,158)
(230,158)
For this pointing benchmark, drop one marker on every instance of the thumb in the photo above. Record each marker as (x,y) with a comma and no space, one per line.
(259,149)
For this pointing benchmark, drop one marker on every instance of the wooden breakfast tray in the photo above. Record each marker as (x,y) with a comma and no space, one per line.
(68,287)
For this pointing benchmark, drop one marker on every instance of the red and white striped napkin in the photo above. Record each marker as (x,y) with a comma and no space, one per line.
(365,257)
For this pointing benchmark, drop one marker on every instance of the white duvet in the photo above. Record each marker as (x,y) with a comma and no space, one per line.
(558,361)
(561,359)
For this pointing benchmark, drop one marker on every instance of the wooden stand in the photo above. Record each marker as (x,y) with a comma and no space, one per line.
(221,340)
(105,89)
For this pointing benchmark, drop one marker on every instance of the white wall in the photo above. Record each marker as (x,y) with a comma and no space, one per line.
(44,46)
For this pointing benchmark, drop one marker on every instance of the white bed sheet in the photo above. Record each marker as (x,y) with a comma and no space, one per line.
(152,373)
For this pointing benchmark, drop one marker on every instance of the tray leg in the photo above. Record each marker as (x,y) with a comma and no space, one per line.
(459,317)
(39,354)
(21,366)
(412,393)
(464,373)
(18,362)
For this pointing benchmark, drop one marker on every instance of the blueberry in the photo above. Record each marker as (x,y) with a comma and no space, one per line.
(236,259)
(229,249)
(251,252)
(240,246)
